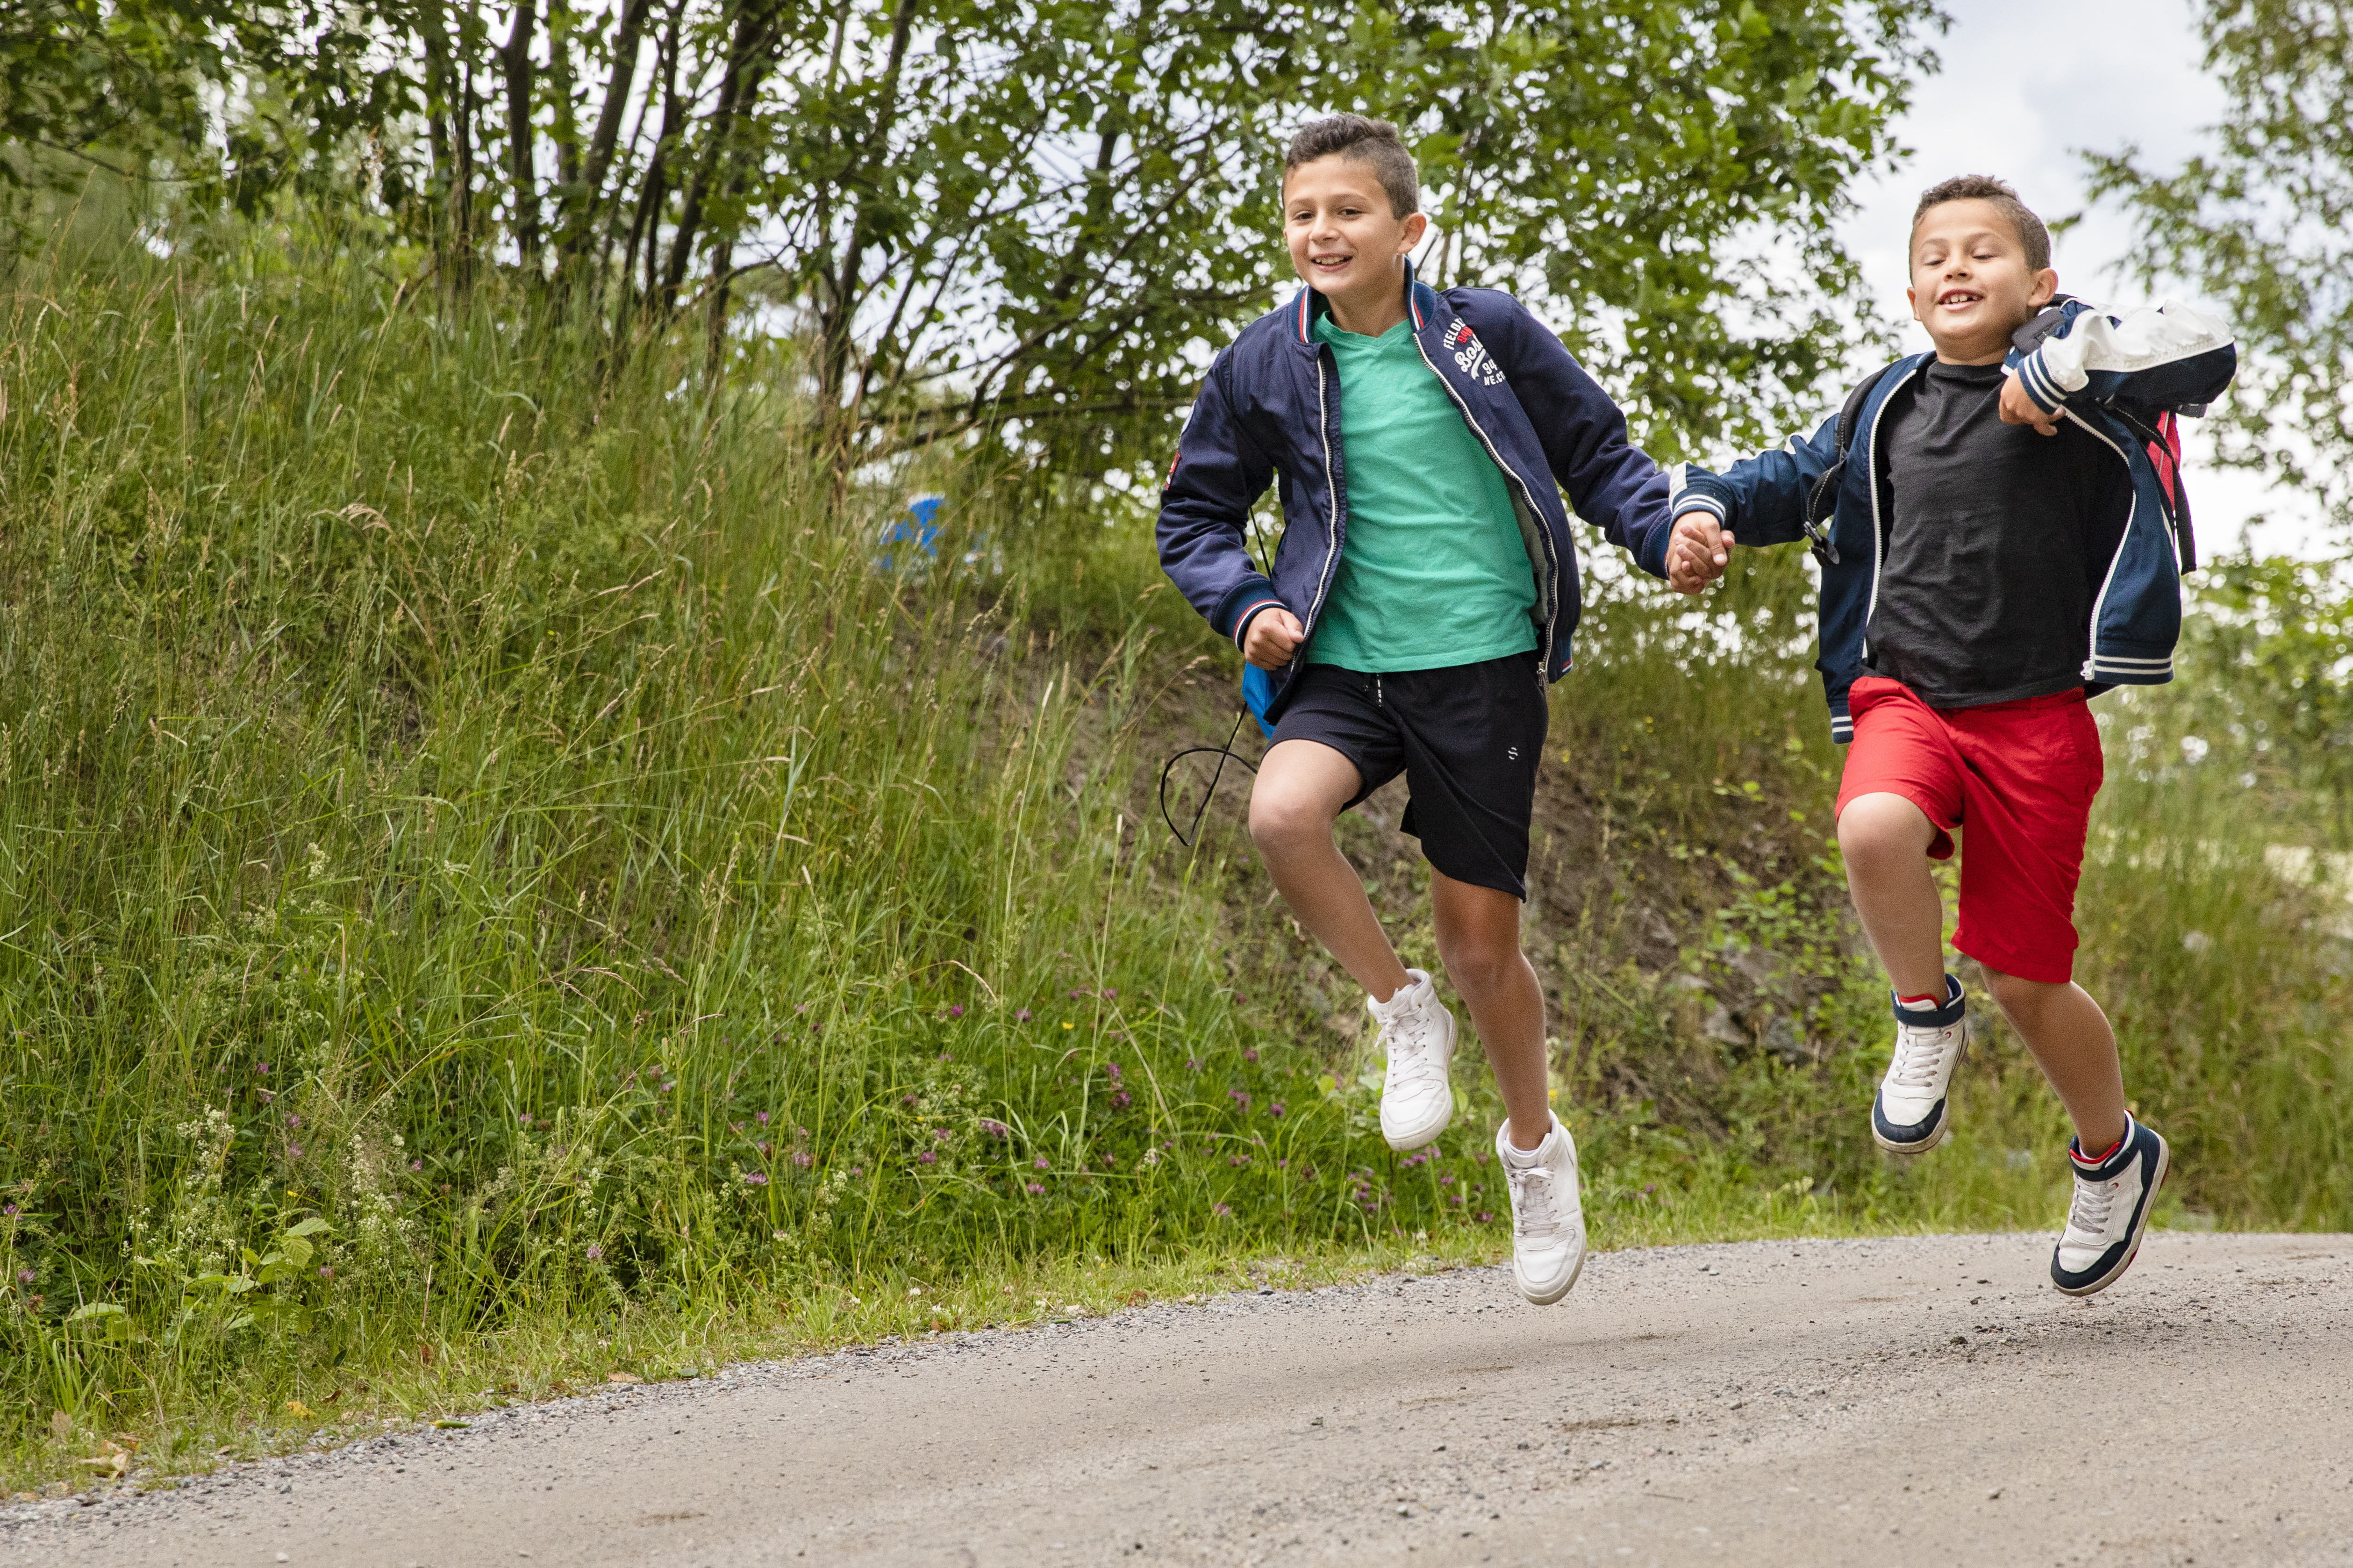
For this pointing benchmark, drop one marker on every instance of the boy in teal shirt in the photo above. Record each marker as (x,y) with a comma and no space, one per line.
(1423,593)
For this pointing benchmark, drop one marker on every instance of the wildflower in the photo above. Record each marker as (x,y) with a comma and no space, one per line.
(1037,1188)
(1041,1163)
(990,1128)
(1219,1210)
(1110,990)
(940,1133)
(1283,1165)
(1113,1069)
(1152,1157)
(1238,1160)
(293,1120)
(293,1151)
(927,1158)
(417,1165)
(907,1099)
(956,1013)
(1651,1188)
(1119,1099)
(804,1159)
(1456,1200)
(1277,1110)
(596,1251)
(24,1276)
(1021,1015)
(1251,1054)
(326,1271)
(1240,1099)
(762,1118)
(756,1178)
(262,1067)
(1485,1218)
(736,1127)
(1446,1180)
(1068,1024)
(1192,1065)
(9,1213)
(523,1116)
(1108,1163)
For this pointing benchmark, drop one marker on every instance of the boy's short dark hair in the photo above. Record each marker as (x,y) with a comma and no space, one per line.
(1374,142)
(2033,238)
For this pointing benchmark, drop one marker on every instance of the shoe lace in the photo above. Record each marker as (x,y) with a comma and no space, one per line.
(1410,1039)
(2089,1213)
(1534,1217)
(1920,1054)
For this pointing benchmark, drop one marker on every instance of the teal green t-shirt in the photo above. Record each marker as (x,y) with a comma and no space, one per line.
(1434,573)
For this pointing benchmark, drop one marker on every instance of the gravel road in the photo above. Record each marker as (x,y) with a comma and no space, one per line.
(1928,1399)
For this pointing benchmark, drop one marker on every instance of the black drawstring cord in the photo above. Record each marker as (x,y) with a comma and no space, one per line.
(1224,752)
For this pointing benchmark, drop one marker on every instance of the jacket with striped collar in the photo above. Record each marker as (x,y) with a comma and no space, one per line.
(1270,409)
(2118,376)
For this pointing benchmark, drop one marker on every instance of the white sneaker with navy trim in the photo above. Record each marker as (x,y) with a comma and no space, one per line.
(1913,1110)
(2114,1197)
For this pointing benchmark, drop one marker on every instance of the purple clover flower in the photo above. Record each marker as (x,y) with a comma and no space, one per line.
(756,1178)
(1021,1015)
(596,1251)
(1036,1189)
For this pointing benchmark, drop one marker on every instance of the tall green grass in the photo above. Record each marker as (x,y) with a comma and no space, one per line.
(486,860)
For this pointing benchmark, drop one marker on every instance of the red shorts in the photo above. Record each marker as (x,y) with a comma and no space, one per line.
(2018,778)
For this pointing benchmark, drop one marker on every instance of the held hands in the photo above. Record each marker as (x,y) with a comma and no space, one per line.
(1274,637)
(2018,409)
(1697,551)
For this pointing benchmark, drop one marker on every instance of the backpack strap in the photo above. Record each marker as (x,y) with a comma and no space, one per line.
(1823,500)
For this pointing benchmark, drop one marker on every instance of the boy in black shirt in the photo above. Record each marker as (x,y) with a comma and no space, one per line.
(2001,549)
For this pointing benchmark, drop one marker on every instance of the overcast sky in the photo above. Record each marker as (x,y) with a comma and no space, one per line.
(2026,85)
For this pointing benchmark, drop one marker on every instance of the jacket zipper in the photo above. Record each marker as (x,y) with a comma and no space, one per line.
(1878,546)
(1535,514)
(1334,526)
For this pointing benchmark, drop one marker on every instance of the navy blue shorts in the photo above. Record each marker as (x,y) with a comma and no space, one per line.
(1467,739)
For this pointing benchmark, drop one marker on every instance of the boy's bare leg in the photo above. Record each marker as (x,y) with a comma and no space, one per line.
(1301,787)
(2071,1038)
(1479,938)
(1884,840)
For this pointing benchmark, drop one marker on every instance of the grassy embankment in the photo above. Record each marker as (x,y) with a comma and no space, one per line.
(495,890)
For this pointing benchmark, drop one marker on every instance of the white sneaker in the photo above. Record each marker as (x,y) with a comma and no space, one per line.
(2110,1213)
(1547,1216)
(1417,1034)
(1912,1113)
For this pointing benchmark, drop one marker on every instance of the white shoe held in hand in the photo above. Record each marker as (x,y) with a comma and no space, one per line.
(1418,1035)
(1547,1214)
(1912,1113)
(2114,1196)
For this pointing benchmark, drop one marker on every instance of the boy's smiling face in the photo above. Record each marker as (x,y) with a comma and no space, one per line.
(1345,240)
(1971,286)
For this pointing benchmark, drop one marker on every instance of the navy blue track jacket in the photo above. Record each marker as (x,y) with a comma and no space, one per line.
(2095,368)
(1272,406)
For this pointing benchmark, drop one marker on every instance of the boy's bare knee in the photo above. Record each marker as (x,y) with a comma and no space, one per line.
(2012,994)
(1282,824)
(1883,829)
(1477,968)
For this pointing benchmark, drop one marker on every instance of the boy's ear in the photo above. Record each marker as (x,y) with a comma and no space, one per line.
(1417,224)
(2046,283)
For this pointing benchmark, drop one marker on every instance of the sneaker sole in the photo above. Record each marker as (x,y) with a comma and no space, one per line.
(1567,1285)
(1407,1142)
(2140,1231)
(1944,1132)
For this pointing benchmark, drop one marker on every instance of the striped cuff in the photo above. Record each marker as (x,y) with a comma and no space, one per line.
(2036,378)
(1249,613)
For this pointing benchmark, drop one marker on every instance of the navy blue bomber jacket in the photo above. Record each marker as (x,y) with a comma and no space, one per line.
(1272,406)
(2107,373)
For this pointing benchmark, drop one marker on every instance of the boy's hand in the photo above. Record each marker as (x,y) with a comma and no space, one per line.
(1697,551)
(2018,409)
(1274,637)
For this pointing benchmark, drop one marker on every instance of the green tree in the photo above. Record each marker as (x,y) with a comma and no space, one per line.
(2263,223)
